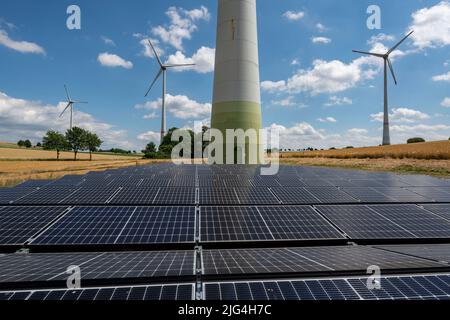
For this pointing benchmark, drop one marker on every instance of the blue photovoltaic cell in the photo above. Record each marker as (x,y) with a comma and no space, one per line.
(138,293)
(420,287)
(19,224)
(122,225)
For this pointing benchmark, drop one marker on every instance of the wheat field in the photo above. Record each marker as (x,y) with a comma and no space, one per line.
(18,165)
(439,150)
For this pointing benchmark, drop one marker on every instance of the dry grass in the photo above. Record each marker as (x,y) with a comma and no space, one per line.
(38,154)
(18,165)
(437,168)
(439,150)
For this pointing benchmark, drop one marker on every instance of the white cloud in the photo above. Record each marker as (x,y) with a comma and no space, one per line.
(358,131)
(294,16)
(288,102)
(442,77)
(180,106)
(431,26)
(113,61)
(295,62)
(321,27)
(150,136)
(24,119)
(327,119)
(332,76)
(272,86)
(337,101)
(446,103)
(108,41)
(147,50)
(8,24)
(182,25)
(321,40)
(379,38)
(20,46)
(402,115)
(203,59)
(428,132)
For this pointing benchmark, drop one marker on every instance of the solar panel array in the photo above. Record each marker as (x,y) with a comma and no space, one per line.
(159,231)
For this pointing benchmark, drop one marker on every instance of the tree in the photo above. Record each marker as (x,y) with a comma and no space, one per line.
(415,140)
(38,144)
(21,143)
(54,141)
(150,151)
(76,139)
(28,144)
(92,142)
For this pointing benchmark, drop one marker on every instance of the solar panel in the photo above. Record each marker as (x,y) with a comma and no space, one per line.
(155,182)
(135,196)
(434,194)
(441,210)
(90,196)
(131,225)
(435,287)
(135,293)
(87,225)
(177,196)
(256,196)
(304,260)
(49,195)
(402,195)
(295,195)
(107,265)
(416,220)
(8,195)
(216,196)
(159,225)
(19,224)
(361,222)
(218,224)
(436,252)
(331,195)
(368,195)
(34,183)
(297,223)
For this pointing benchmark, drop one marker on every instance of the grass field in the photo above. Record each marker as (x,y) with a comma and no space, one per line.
(431,158)
(18,164)
(438,150)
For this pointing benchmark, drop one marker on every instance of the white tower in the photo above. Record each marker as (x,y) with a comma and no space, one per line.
(237,96)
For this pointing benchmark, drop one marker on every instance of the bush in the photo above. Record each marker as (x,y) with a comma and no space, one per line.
(415,140)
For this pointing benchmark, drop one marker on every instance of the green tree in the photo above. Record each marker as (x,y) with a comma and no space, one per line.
(54,141)
(92,142)
(76,139)
(28,144)
(21,143)
(415,140)
(150,151)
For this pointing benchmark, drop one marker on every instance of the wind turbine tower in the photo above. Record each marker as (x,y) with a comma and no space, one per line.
(70,104)
(387,63)
(237,96)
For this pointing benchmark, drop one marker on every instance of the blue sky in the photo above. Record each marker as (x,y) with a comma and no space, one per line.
(314,88)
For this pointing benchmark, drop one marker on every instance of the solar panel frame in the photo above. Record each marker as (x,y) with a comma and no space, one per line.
(435,252)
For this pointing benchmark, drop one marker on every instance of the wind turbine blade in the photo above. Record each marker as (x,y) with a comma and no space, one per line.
(400,42)
(179,65)
(154,81)
(369,53)
(392,71)
(84,102)
(67,93)
(156,54)
(65,109)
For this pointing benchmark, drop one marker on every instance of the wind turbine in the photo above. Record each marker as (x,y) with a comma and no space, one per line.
(387,63)
(162,71)
(70,104)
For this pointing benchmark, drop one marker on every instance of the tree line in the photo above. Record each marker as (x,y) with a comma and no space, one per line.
(75,139)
